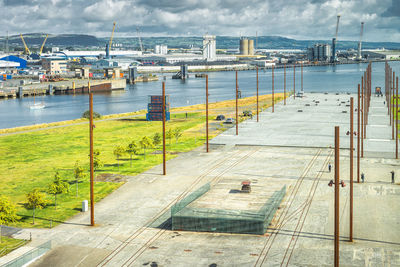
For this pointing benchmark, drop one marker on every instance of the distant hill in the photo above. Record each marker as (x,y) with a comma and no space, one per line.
(223,42)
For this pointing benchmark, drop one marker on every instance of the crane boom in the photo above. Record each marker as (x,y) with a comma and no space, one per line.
(44,42)
(112,36)
(362,31)
(27,51)
(337,26)
(359,57)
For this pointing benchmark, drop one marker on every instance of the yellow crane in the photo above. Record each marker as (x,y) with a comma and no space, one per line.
(27,51)
(112,36)
(44,42)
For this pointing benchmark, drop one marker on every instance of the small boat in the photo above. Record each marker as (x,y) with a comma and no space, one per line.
(37,105)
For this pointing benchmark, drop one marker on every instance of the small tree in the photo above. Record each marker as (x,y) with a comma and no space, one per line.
(169,135)
(57,187)
(35,200)
(8,212)
(78,174)
(97,163)
(177,134)
(156,139)
(118,152)
(145,143)
(132,149)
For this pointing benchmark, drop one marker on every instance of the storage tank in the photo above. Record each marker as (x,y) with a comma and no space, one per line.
(244,46)
(251,47)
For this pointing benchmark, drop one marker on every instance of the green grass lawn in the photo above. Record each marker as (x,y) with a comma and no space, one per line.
(9,244)
(30,160)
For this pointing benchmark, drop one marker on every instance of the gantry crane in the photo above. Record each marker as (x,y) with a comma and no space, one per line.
(140,40)
(27,51)
(334,41)
(44,42)
(359,57)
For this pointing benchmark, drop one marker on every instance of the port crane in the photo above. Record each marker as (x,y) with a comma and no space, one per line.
(359,56)
(27,51)
(334,41)
(44,42)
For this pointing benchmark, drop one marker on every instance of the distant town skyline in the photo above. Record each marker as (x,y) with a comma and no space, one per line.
(298,19)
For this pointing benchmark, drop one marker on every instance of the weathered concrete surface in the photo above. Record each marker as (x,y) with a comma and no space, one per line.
(295,154)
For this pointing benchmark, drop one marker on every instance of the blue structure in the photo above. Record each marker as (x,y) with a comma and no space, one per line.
(22,62)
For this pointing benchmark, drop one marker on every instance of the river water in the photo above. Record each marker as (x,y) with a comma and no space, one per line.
(340,78)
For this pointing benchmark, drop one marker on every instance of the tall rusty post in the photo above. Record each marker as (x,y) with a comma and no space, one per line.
(294,81)
(302,76)
(257,94)
(397,117)
(365,107)
(392,106)
(207,146)
(337,196)
(351,166)
(361,133)
(390,96)
(91,158)
(163,128)
(358,135)
(237,115)
(273,89)
(284,84)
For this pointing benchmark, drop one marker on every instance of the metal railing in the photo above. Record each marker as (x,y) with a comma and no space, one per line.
(30,255)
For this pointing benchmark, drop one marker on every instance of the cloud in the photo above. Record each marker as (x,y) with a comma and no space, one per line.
(303,19)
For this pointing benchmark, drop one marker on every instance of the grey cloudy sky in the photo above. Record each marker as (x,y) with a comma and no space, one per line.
(301,19)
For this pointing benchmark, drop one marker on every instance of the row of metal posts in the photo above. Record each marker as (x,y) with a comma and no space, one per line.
(91,125)
(392,96)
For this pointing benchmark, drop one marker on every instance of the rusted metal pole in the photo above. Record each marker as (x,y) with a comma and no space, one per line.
(397,117)
(302,76)
(91,157)
(365,107)
(392,106)
(337,196)
(390,96)
(284,84)
(361,133)
(237,115)
(294,81)
(358,135)
(273,89)
(257,93)
(163,128)
(207,113)
(351,166)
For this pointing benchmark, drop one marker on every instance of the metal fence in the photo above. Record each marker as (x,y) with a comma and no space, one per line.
(30,255)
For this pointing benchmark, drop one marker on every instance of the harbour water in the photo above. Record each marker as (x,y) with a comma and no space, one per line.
(340,78)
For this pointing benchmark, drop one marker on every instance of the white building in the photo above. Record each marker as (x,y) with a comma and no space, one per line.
(161,49)
(209,47)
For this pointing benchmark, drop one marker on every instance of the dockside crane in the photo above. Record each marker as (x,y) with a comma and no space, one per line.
(27,51)
(334,41)
(140,40)
(359,57)
(112,35)
(44,42)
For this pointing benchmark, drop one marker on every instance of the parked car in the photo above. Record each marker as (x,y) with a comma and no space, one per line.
(229,120)
(220,118)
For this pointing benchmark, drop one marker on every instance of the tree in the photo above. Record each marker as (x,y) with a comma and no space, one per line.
(57,187)
(86,115)
(145,143)
(35,200)
(177,134)
(132,149)
(8,212)
(169,134)
(156,139)
(78,174)
(97,163)
(118,152)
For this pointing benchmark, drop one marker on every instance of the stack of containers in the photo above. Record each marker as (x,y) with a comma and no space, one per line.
(154,108)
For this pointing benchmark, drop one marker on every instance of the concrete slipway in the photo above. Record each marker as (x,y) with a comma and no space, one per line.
(286,147)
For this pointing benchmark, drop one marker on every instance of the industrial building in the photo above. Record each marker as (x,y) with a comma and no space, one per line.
(209,47)
(319,52)
(161,49)
(54,66)
(18,62)
(246,47)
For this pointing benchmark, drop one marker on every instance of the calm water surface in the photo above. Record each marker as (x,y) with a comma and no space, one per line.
(341,78)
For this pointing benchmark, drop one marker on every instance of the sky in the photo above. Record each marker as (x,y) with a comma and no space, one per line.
(299,19)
